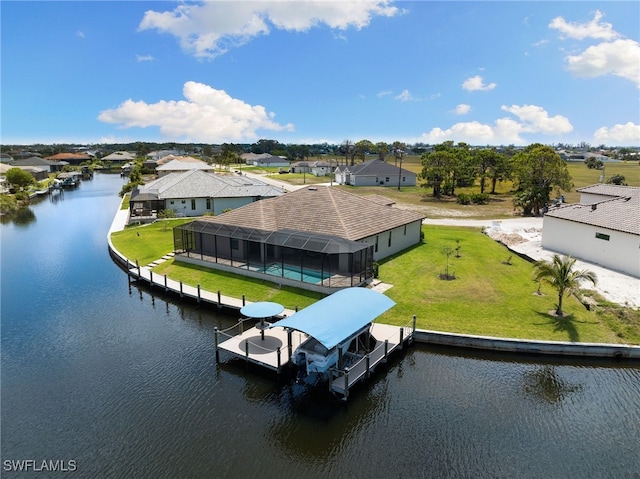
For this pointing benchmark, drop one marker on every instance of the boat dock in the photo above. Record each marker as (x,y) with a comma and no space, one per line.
(271,349)
(388,339)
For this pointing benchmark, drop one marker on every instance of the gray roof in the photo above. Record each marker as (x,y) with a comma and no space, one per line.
(376,168)
(199,184)
(179,165)
(609,190)
(619,210)
(319,209)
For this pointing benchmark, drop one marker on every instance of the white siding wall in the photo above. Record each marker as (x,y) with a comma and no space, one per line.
(399,240)
(621,252)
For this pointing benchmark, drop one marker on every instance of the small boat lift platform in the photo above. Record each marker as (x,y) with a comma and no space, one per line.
(274,345)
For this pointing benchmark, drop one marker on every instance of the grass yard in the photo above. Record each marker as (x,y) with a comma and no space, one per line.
(147,243)
(488,296)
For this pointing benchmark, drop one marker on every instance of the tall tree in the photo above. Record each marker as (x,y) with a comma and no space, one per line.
(382,149)
(537,170)
(362,148)
(485,160)
(436,167)
(560,274)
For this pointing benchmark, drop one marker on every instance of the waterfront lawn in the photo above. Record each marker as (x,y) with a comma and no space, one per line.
(235,285)
(488,297)
(147,243)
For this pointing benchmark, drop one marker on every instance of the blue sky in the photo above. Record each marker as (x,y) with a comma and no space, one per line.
(487,73)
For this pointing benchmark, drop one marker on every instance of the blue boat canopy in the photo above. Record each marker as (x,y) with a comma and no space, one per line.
(337,317)
(262,309)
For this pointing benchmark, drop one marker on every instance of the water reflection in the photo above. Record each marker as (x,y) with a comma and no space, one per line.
(545,384)
(21,217)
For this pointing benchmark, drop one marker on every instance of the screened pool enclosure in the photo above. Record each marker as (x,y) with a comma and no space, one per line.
(307,260)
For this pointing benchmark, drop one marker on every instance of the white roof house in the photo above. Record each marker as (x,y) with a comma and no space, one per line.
(604,228)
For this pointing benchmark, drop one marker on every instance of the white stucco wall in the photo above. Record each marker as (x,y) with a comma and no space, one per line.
(621,252)
(401,238)
(182,206)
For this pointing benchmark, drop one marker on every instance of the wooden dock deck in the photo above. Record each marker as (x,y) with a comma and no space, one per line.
(388,339)
(272,350)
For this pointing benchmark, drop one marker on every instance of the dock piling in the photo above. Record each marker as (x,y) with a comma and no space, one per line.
(215,331)
(198,294)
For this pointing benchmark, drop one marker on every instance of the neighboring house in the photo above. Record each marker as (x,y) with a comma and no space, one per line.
(604,228)
(316,168)
(317,238)
(70,158)
(374,173)
(195,193)
(5,158)
(120,157)
(170,158)
(50,166)
(160,154)
(265,160)
(178,166)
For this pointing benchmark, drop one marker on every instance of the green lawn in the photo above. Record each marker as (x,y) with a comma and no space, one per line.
(488,297)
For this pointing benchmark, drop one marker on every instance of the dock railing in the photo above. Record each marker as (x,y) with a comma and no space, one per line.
(340,380)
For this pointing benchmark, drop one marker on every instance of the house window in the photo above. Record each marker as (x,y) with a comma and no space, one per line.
(208,203)
(375,249)
(386,179)
(389,244)
(193,204)
(183,202)
(404,179)
(171,202)
(234,243)
(602,236)
(405,230)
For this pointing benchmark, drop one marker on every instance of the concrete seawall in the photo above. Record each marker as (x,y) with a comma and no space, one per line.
(507,345)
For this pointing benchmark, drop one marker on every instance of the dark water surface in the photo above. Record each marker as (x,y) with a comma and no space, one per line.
(126,385)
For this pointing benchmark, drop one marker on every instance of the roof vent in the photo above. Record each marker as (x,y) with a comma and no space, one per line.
(594,206)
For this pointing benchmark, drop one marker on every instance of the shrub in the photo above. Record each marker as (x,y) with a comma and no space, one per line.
(463,199)
(480,198)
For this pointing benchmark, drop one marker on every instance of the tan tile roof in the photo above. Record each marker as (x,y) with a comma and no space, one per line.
(319,209)
(620,213)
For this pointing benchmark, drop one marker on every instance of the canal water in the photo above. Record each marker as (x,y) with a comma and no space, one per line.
(109,381)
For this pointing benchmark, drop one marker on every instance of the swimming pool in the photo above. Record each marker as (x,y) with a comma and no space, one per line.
(295,273)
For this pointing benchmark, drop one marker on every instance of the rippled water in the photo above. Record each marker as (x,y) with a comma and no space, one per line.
(126,385)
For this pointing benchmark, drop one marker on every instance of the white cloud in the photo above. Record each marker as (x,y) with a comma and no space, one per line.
(462,109)
(212,28)
(618,135)
(207,115)
(476,83)
(80,34)
(530,120)
(534,119)
(580,31)
(144,58)
(620,58)
(383,93)
(405,96)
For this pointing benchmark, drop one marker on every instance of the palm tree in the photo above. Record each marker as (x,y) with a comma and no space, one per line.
(559,273)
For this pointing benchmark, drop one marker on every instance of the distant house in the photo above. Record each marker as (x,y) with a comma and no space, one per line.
(120,157)
(5,158)
(318,238)
(374,173)
(265,160)
(195,193)
(316,168)
(160,154)
(48,165)
(178,166)
(604,228)
(70,158)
